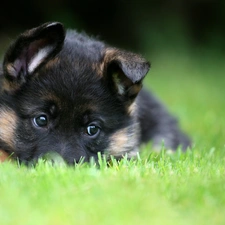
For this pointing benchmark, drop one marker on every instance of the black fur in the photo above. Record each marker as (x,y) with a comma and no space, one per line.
(86,96)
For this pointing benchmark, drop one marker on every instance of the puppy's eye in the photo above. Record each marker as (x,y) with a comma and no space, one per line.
(93,130)
(40,121)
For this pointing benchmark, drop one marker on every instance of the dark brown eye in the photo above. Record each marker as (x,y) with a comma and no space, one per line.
(40,121)
(93,130)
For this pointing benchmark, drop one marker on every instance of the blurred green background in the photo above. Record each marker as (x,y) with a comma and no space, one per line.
(128,24)
(183,39)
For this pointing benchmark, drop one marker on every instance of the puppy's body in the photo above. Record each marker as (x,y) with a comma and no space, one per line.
(74,95)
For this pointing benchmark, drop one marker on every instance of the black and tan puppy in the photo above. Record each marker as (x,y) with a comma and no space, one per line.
(74,95)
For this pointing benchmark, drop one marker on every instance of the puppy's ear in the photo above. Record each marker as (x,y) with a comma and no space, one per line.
(124,72)
(32,49)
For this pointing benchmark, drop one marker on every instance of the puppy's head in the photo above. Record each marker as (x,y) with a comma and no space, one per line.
(70,94)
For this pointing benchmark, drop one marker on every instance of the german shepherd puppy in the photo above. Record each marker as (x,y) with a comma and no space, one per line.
(65,92)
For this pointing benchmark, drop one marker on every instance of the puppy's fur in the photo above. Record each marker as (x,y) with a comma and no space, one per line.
(65,92)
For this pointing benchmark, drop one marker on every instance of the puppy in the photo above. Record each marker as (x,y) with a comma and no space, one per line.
(64,92)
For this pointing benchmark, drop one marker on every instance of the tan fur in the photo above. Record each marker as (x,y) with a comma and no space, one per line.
(8,123)
(109,55)
(3,156)
(134,89)
(98,68)
(53,62)
(48,96)
(125,141)
(112,54)
(132,109)
(9,86)
(11,70)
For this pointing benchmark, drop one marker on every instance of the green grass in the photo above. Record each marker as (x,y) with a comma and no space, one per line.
(157,188)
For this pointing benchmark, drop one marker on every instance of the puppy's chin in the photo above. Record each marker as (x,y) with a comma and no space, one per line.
(3,156)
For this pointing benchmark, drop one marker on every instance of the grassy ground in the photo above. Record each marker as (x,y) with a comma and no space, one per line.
(184,188)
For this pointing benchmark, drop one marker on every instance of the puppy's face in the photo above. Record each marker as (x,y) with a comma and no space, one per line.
(69,94)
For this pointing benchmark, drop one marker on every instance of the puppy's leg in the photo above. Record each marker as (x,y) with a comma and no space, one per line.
(158,125)
(3,156)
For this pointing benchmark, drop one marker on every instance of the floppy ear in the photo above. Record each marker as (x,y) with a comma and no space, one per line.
(32,49)
(124,72)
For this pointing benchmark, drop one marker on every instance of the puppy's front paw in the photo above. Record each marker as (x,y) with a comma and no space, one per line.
(3,156)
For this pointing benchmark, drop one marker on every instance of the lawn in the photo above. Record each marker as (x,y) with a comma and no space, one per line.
(156,188)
